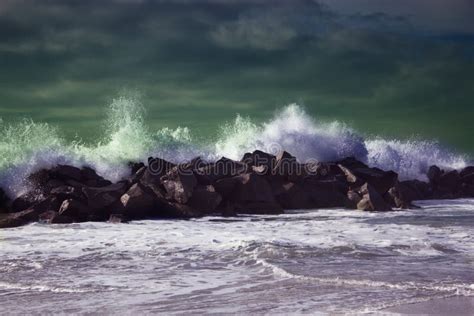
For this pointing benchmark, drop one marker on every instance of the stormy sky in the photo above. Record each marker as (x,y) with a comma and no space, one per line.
(395,68)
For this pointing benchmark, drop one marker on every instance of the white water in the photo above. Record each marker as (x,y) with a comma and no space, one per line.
(334,261)
(29,146)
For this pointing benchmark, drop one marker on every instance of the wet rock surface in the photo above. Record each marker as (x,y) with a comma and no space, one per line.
(260,183)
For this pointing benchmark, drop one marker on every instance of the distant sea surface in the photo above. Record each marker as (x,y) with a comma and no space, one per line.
(335,261)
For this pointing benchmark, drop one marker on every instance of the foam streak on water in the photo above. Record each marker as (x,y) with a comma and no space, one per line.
(333,261)
(28,146)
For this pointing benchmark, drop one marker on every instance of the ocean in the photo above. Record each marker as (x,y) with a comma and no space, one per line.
(328,261)
(27,146)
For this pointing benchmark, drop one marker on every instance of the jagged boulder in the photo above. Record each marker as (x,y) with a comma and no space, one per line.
(103,197)
(31,214)
(90,178)
(68,192)
(450,181)
(19,218)
(292,196)
(179,185)
(259,158)
(157,168)
(205,199)
(468,178)
(326,193)
(372,200)
(353,199)
(4,200)
(222,168)
(138,202)
(466,171)
(135,166)
(380,180)
(352,163)
(434,174)
(76,210)
(246,192)
(350,176)
(467,190)
(65,172)
(252,188)
(286,165)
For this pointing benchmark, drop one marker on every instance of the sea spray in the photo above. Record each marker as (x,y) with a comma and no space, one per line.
(28,146)
(293,130)
(411,158)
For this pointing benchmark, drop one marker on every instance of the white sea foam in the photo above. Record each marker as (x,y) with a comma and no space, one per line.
(28,146)
(328,260)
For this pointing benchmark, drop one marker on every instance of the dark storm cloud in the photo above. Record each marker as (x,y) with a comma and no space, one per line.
(232,56)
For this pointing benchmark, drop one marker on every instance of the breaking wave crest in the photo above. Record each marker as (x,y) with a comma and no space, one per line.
(28,146)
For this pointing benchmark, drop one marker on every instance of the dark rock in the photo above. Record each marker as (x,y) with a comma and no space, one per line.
(99,198)
(67,192)
(52,217)
(90,178)
(396,198)
(138,202)
(222,168)
(226,187)
(158,167)
(29,215)
(380,180)
(195,164)
(260,170)
(434,174)
(135,166)
(466,171)
(285,165)
(40,178)
(350,176)
(413,190)
(292,196)
(23,202)
(467,190)
(372,200)
(76,210)
(205,199)
(468,178)
(259,158)
(65,172)
(450,181)
(252,188)
(246,192)
(50,185)
(30,200)
(353,198)
(4,201)
(138,175)
(327,193)
(327,170)
(179,185)
(352,163)
(19,218)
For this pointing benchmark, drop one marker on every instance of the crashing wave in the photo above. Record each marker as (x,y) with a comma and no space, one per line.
(28,146)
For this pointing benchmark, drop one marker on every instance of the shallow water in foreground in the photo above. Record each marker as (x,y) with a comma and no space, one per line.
(326,260)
